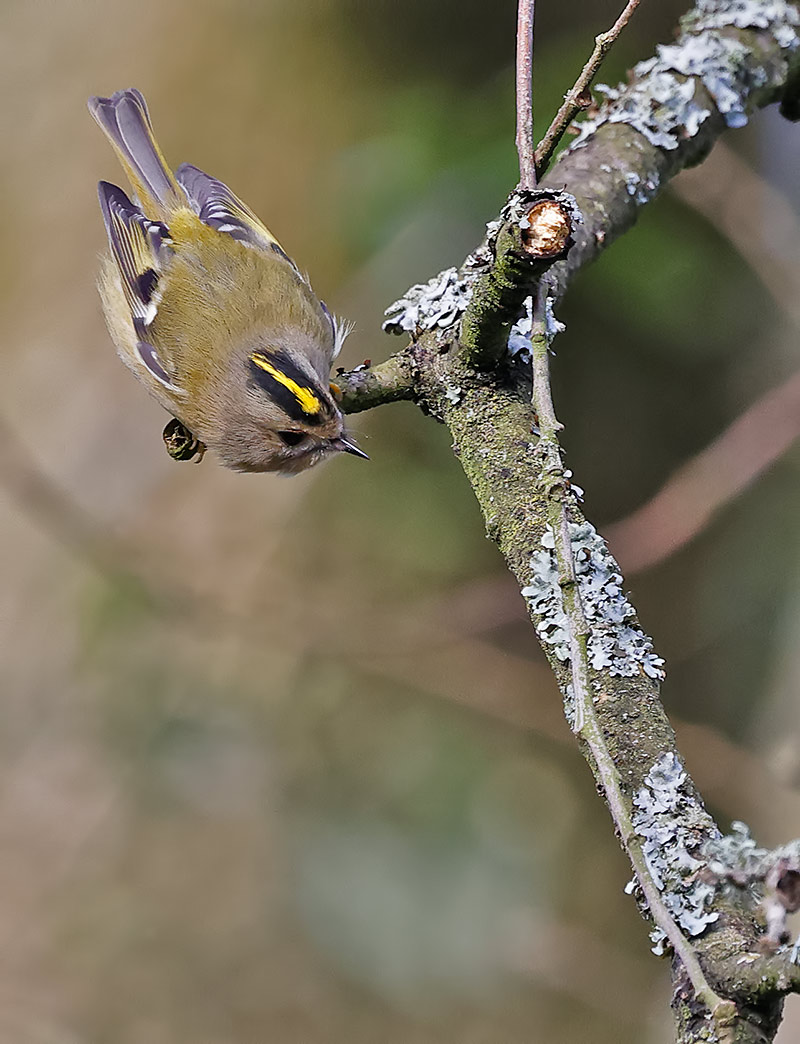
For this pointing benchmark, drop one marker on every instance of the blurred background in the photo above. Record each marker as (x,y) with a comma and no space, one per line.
(280,761)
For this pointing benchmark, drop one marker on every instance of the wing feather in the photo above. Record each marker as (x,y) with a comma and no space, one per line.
(139,247)
(219,208)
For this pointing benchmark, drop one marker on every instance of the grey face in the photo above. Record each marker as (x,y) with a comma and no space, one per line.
(285,421)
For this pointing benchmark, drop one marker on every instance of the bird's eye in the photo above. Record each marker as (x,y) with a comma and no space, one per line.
(291,438)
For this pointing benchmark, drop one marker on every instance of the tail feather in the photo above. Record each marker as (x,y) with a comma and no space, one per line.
(125,120)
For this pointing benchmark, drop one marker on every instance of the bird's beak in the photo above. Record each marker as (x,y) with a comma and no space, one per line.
(346,446)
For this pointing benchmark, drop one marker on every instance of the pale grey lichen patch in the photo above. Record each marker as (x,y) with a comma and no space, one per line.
(452,393)
(519,340)
(738,858)
(720,63)
(664,107)
(774,874)
(643,189)
(438,303)
(632,182)
(482,256)
(660,105)
(543,595)
(578,491)
(777,16)
(673,825)
(615,643)
(552,326)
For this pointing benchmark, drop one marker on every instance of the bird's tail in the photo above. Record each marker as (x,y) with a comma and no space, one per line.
(126,122)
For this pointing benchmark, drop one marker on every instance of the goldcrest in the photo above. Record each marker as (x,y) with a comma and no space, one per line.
(211,314)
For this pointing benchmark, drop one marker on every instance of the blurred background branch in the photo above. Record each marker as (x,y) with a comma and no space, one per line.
(687,503)
(742,207)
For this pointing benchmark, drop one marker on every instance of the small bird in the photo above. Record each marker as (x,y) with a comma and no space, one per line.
(211,314)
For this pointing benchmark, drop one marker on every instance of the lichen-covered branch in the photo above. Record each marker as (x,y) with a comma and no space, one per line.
(730,57)
(367,386)
(556,493)
(660,819)
(535,231)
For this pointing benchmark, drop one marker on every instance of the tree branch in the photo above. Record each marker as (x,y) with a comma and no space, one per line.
(581,698)
(660,122)
(367,386)
(578,96)
(525,149)
(624,732)
(536,231)
(730,58)
(664,119)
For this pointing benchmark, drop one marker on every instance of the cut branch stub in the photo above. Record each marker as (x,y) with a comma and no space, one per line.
(536,233)
(546,231)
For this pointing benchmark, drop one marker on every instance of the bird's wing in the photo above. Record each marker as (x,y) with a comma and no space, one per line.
(139,247)
(219,208)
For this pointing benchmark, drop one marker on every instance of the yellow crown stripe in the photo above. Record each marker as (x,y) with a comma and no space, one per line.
(308,401)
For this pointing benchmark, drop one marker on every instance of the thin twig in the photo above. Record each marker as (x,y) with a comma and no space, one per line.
(527,156)
(575,99)
(585,722)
